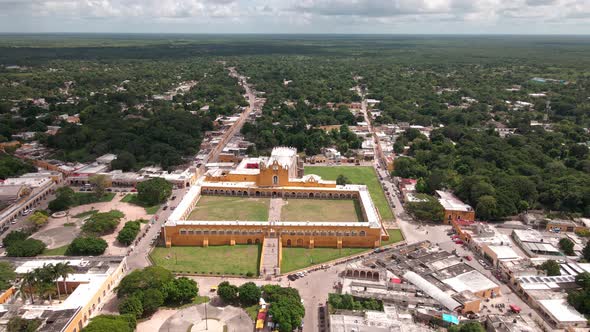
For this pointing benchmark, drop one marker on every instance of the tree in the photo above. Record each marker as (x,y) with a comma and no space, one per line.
(406,167)
(342,180)
(129,232)
(65,197)
(467,327)
(486,208)
(99,181)
(62,270)
(131,305)
(583,280)
(586,252)
(17,324)
(154,191)
(551,267)
(227,292)
(13,237)
(180,290)
(118,323)
(428,209)
(152,299)
(39,219)
(567,246)
(87,246)
(125,161)
(138,280)
(103,223)
(249,294)
(7,275)
(26,248)
(287,312)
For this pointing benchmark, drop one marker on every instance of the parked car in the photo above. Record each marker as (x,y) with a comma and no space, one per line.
(165,207)
(467,257)
(173,198)
(459,242)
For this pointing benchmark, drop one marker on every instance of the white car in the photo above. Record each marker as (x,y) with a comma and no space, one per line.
(27,212)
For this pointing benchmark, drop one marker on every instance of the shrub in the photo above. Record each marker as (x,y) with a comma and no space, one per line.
(14,236)
(103,223)
(25,248)
(87,246)
(129,232)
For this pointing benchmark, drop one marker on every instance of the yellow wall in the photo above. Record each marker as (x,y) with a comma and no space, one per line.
(7,295)
(290,236)
(82,317)
(454,215)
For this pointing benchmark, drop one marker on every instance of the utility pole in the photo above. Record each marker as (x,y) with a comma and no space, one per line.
(206,320)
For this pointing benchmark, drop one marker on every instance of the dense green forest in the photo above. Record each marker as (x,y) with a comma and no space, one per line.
(465,87)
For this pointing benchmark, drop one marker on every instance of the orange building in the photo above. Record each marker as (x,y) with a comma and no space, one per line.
(455,209)
(280,175)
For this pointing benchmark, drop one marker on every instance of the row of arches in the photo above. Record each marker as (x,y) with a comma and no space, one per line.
(278,193)
(362,274)
(185,231)
(27,206)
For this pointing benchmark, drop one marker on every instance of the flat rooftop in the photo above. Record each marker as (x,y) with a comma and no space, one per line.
(451,202)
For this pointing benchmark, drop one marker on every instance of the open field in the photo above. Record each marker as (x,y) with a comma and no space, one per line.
(237,260)
(59,251)
(132,199)
(358,175)
(395,235)
(300,258)
(321,210)
(231,208)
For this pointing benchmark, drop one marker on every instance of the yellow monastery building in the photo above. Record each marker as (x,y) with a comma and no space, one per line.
(280,175)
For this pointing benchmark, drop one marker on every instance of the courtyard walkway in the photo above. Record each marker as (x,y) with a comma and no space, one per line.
(276,205)
(270,260)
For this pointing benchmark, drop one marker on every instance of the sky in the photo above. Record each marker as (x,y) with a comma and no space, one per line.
(297,16)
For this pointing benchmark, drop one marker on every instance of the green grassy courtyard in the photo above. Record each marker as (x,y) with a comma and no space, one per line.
(395,236)
(300,258)
(231,208)
(132,199)
(336,210)
(235,260)
(358,175)
(59,251)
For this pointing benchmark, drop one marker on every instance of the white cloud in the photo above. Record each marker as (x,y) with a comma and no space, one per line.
(420,16)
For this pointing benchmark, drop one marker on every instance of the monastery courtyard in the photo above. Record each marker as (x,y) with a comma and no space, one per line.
(276,209)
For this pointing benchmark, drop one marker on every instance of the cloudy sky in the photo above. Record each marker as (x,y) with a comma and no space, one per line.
(298,16)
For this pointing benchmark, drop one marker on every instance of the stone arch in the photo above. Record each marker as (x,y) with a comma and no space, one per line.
(363,274)
(356,273)
(288,242)
(257,241)
(233,192)
(300,242)
(341,195)
(310,195)
(362,233)
(330,195)
(274,194)
(257,193)
(249,241)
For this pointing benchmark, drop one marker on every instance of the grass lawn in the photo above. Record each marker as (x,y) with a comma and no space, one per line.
(299,258)
(252,311)
(59,251)
(86,214)
(231,208)
(132,199)
(321,210)
(395,235)
(89,198)
(358,175)
(238,259)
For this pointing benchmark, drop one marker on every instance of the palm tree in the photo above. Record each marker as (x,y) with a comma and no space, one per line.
(63,270)
(27,285)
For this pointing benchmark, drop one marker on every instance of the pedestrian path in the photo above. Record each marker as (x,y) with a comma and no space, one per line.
(270,260)
(274,211)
